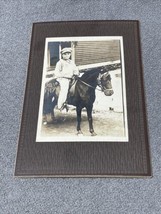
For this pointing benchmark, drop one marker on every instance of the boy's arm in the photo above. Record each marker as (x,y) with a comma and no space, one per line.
(76,71)
(57,71)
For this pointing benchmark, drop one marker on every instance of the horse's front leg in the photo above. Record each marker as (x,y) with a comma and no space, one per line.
(79,110)
(90,120)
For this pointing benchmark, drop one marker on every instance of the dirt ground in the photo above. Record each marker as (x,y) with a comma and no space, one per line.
(106,123)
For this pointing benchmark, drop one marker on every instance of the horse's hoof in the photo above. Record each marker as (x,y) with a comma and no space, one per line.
(79,133)
(53,118)
(63,119)
(93,134)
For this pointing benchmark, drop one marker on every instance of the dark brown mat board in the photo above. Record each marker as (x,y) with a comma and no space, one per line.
(52,148)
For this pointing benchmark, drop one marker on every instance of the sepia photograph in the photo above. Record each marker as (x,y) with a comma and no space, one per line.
(83,90)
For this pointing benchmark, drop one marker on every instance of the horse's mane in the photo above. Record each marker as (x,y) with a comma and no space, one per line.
(90,74)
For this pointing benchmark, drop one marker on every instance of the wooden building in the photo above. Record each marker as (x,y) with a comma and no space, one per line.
(93,52)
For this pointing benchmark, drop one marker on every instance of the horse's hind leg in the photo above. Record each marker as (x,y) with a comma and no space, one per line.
(44,119)
(52,115)
(79,110)
(90,120)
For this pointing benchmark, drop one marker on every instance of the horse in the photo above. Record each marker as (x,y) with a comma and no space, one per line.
(84,93)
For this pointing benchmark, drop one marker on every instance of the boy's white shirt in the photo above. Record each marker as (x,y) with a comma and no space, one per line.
(65,68)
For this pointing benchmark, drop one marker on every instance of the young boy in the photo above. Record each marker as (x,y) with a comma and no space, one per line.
(65,70)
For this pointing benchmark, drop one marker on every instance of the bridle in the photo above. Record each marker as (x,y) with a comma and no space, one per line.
(102,88)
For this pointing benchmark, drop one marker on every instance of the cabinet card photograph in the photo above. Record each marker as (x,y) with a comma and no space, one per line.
(83,90)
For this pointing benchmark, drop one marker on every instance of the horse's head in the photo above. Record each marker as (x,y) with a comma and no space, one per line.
(104,81)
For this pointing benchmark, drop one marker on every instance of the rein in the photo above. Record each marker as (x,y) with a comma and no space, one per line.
(102,90)
(92,86)
(89,85)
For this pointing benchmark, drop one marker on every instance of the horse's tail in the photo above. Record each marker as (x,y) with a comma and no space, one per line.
(50,96)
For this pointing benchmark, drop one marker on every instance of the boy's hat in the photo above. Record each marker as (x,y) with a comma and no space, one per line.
(66,50)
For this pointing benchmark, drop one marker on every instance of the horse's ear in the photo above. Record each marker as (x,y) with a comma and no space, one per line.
(106,67)
(100,75)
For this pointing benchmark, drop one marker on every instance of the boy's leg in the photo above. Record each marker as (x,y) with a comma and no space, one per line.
(64,86)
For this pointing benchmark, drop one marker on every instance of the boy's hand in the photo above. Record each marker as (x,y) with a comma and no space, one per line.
(75,77)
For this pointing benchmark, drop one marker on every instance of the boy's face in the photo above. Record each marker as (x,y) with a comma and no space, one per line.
(66,55)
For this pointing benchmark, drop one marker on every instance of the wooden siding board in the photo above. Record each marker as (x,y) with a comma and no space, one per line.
(90,52)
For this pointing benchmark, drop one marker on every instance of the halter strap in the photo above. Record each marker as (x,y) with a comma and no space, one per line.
(94,87)
(89,85)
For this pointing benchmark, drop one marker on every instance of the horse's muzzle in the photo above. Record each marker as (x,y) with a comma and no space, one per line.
(108,92)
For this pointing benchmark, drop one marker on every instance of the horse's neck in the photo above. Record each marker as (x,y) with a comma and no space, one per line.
(86,86)
(90,78)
